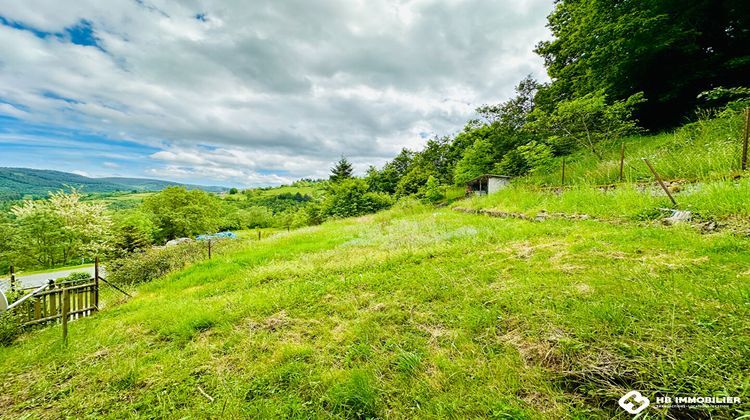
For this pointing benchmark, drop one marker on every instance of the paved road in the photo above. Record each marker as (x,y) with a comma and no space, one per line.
(36,280)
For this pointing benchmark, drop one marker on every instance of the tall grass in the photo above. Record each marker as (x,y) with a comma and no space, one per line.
(720,199)
(708,149)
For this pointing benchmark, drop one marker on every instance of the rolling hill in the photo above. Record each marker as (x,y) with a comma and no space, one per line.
(17,183)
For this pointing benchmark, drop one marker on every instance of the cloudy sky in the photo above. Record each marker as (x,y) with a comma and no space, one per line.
(249,93)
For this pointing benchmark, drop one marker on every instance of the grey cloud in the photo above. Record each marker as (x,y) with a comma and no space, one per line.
(296,80)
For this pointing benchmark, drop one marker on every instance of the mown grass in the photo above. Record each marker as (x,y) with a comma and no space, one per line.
(410,313)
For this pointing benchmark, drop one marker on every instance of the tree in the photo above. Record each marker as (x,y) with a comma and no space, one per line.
(352,198)
(61,229)
(233,191)
(134,232)
(431,191)
(414,180)
(177,212)
(537,156)
(589,120)
(343,170)
(478,159)
(387,179)
(671,50)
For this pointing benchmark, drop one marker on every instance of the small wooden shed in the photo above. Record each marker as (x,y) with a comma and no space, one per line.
(487,184)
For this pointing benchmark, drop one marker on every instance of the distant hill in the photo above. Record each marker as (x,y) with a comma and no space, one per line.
(17,183)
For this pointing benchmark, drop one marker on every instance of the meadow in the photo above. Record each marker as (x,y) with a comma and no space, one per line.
(413,312)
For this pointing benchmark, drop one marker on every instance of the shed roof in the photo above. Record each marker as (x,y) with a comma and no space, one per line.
(487,176)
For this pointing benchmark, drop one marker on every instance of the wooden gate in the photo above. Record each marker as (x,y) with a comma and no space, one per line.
(49,303)
(58,301)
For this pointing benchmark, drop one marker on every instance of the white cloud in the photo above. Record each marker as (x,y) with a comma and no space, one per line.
(266,87)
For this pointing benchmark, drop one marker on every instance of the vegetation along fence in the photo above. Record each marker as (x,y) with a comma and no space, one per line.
(58,302)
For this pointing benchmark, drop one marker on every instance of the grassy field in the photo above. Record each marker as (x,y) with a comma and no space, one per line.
(414,312)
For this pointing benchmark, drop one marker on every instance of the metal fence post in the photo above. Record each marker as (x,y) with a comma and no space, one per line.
(12,278)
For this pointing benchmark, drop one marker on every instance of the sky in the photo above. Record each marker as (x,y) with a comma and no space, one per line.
(240,93)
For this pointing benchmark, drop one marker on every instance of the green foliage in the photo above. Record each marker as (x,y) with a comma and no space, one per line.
(177,212)
(10,327)
(589,120)
(351,198)
(74,278)
(59,230)
(671,50)
(431,191)
(233,191)
(413,181)
(387,180)
(737,98)
(134,231)
(513,164)
(343,170)
(706,150)
(477,160)
(356,396)
(153,263)
(20,183)
(538,156)
(254,217)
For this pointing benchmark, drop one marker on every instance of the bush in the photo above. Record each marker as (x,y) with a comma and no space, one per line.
(156,262)
(78,277)
(10,321)
(432,192)
(10,327)
(350,198)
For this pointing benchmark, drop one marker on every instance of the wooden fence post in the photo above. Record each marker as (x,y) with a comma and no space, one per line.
(12,278)
(658,179)
(563,171)
(209,249)
(96,282)
(258,234)
(744,138)
(622,160)
(65,310)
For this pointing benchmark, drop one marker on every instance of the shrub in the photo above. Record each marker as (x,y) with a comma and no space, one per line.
(351,198)
(156,262)
(432,192)
(10,327)
(10,321)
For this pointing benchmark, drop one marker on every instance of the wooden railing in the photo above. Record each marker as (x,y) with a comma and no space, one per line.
(61,302)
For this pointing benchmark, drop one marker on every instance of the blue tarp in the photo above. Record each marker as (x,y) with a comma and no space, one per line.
(220,235)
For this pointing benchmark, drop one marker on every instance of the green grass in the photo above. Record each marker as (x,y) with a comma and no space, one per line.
(414,312)
(720,200)
(706,150)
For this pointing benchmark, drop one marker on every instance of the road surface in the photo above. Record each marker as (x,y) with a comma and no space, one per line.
(36,280)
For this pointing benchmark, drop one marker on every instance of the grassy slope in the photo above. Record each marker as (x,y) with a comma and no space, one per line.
(704,156)
(706,150)
(410,313)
